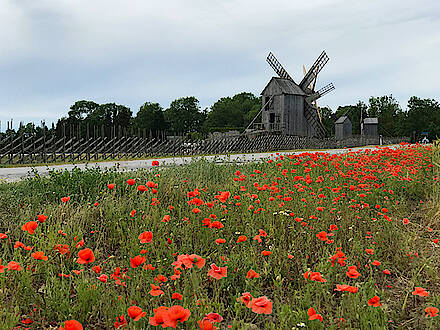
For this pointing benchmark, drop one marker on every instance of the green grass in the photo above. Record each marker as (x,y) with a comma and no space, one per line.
(401,181)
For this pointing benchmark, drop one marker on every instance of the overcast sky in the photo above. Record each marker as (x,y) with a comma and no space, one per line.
(55,52)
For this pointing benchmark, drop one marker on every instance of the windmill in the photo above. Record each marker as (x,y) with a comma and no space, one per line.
(288,107)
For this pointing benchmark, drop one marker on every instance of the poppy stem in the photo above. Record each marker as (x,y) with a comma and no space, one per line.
(404,302)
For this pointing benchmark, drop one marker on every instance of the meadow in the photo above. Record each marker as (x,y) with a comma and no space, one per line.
(313,241)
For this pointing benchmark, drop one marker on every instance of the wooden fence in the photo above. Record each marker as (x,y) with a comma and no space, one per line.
(22,149)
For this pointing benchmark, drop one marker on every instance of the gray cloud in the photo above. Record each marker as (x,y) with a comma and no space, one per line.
(58,51)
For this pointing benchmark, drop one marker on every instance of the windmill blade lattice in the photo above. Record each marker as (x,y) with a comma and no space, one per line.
(326,89)
(314,70)
(278,68)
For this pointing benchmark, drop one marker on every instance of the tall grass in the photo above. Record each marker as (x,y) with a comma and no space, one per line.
(292,199)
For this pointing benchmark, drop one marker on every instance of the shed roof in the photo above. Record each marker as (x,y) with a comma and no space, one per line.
(371,121)
(341,119)
(285,86)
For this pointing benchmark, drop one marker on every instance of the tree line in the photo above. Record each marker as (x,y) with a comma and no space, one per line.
(185,117)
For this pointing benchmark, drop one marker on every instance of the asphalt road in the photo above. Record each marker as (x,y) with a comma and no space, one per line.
(17,173)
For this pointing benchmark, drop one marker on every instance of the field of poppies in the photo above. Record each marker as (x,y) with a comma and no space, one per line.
(306,241)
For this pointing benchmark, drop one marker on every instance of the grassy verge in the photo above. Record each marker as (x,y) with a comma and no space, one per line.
(285,219)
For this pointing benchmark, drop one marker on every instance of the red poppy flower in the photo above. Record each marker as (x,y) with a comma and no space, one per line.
(218,272)
(431,311)
(352,272)
(121,322)
(103,278)
(217,225)
(65,199)
(39,255)
(176,296)
(141,188)
(252,274)
(376,263)
(261,305)
(386,272)
(313,315)
(85,256)
(322,236)
(72,325)
(63,249)
(176,314)
(2,235)
(131,182)
(155,163)
(241,238)
(41,218)
(137,261)
(110,186)
(375,302)
(146,237)
(155,290)
(159,316)
(30,227)
(206,325)
(345,287)
(223,197)
(314,276)
(219,241)
(151,184)
(266,253)
(420,292)
(13,265)
(369,251)
(213,317)
(405,221)
(245,299)
(135,313)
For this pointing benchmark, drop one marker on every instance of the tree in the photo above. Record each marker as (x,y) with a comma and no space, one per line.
(328,120)
(81,109)
(184,115)
(388,112)
(150,117)
(233,112)
(423,115)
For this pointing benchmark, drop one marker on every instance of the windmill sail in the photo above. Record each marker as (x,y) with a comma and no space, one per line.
(324,90)
(278,68)
(312,116)
(314,70)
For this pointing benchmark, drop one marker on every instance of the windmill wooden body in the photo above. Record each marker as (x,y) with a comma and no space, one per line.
(288,108)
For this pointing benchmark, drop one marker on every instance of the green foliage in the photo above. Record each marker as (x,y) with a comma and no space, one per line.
(389,114)
(423,115)
(150,117)
(236,111)
(184,115)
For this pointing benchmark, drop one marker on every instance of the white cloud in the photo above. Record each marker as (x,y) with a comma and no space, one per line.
(57,51)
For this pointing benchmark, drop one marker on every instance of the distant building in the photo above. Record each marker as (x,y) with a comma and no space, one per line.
(343,128)
(285,110)
(369,127)
(288,107)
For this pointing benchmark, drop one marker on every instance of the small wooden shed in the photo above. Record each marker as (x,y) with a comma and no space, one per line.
(343,128)
(369,127)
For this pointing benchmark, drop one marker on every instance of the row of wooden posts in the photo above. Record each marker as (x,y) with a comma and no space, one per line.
(22,149)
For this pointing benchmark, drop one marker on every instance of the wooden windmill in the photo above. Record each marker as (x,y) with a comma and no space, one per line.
(288,107)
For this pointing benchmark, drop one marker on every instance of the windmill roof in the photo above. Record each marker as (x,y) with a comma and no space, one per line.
(371,121)
(286,86)
(341,119)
